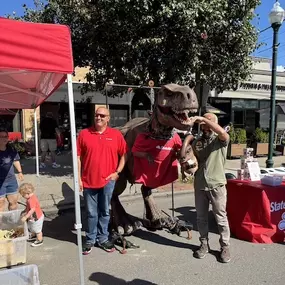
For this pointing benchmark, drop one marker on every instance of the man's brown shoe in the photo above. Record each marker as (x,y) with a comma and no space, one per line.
(202,251)
(225,255)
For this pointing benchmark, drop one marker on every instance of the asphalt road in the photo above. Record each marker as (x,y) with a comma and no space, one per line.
(162,258)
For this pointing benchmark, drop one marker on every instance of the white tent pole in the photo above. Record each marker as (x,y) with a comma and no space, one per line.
(36,143)
(78,224)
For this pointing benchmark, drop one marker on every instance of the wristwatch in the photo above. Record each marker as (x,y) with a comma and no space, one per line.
(118,172)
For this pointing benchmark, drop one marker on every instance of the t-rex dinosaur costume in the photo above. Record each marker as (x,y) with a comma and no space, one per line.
(172,107)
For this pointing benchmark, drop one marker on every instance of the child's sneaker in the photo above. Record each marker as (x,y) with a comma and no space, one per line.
(32,237)
(37,243)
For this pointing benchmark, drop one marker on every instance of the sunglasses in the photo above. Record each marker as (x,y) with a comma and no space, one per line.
(101,115)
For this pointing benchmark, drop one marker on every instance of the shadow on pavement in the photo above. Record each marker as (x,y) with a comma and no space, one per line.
(107,279)
(60,226)
(188,213)
(156,238)
(68,197)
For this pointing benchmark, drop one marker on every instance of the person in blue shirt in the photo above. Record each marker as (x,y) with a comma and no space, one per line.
(9,158)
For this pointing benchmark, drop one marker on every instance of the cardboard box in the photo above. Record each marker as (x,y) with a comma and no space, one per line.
(245,161)
(240,174)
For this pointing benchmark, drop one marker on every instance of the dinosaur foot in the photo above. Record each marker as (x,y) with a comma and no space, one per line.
(172,224)
(129,227)
(119,240)
(181,226)
(121,222)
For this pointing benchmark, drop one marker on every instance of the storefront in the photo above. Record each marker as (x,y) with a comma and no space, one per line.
(242,105)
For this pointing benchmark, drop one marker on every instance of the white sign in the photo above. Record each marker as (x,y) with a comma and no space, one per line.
(254,171)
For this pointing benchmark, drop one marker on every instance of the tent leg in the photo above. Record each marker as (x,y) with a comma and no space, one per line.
(78,224)
(36,143)
(172,197)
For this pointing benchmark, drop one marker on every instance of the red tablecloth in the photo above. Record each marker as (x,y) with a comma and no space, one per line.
(256,212)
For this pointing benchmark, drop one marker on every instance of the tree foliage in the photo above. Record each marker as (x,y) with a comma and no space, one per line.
(132,41)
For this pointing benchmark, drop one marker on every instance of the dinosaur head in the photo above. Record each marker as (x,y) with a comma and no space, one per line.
(174,105)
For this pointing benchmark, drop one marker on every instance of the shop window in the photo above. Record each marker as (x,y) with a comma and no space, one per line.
(118,117)
(264,104)
(244,104)
(250,121)
(140,114)
(238,118)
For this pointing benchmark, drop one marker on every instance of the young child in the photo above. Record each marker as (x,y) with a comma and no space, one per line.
(33,214)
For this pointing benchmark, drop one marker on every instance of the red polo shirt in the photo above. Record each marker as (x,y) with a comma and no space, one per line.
(164,169)
(99,155)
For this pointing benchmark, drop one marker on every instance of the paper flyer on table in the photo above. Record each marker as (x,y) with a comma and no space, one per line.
(254,170)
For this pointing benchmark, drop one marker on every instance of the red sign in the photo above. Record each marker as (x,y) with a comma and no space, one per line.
(15,136)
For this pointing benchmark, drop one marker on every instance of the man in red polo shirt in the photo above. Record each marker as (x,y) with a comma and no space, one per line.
(99,148)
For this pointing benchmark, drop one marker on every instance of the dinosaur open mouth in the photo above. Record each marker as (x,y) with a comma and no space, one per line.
(181,115)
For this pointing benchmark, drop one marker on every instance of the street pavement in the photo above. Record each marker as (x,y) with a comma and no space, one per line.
(162,258)
(55,186)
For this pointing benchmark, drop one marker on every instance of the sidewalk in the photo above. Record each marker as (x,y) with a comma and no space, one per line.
(55,186)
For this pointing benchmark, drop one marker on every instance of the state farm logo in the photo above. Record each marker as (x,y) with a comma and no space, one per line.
(277,206)
(281,225)
(163,147)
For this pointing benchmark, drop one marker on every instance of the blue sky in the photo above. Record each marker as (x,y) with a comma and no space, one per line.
(8,6)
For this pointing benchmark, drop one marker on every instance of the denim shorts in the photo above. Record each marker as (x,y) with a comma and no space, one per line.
(8,188)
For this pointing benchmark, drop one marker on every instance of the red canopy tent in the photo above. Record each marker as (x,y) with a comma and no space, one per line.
(35,59)
(7,112)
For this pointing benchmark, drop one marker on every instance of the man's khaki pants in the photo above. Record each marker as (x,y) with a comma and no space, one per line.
(218,199)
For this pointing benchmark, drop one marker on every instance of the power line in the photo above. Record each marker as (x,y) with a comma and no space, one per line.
(262,40)
(270,48)
(264,29)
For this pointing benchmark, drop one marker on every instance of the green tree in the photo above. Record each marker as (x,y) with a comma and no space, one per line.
(132,41)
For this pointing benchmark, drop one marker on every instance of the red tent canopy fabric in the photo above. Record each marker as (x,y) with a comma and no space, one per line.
(34,61)
(8,112)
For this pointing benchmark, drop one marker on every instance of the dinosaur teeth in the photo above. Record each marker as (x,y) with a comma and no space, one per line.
(181,111)
(178,112)
(187,121)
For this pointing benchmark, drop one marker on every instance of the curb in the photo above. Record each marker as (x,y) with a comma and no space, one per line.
(54,209)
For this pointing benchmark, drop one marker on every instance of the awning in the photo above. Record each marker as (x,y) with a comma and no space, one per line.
(279,109)
(34,61)
(210,109)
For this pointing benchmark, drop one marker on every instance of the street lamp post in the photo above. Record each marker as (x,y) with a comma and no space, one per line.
(276,18)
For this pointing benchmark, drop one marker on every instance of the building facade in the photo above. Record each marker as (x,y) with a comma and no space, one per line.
(240,106)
